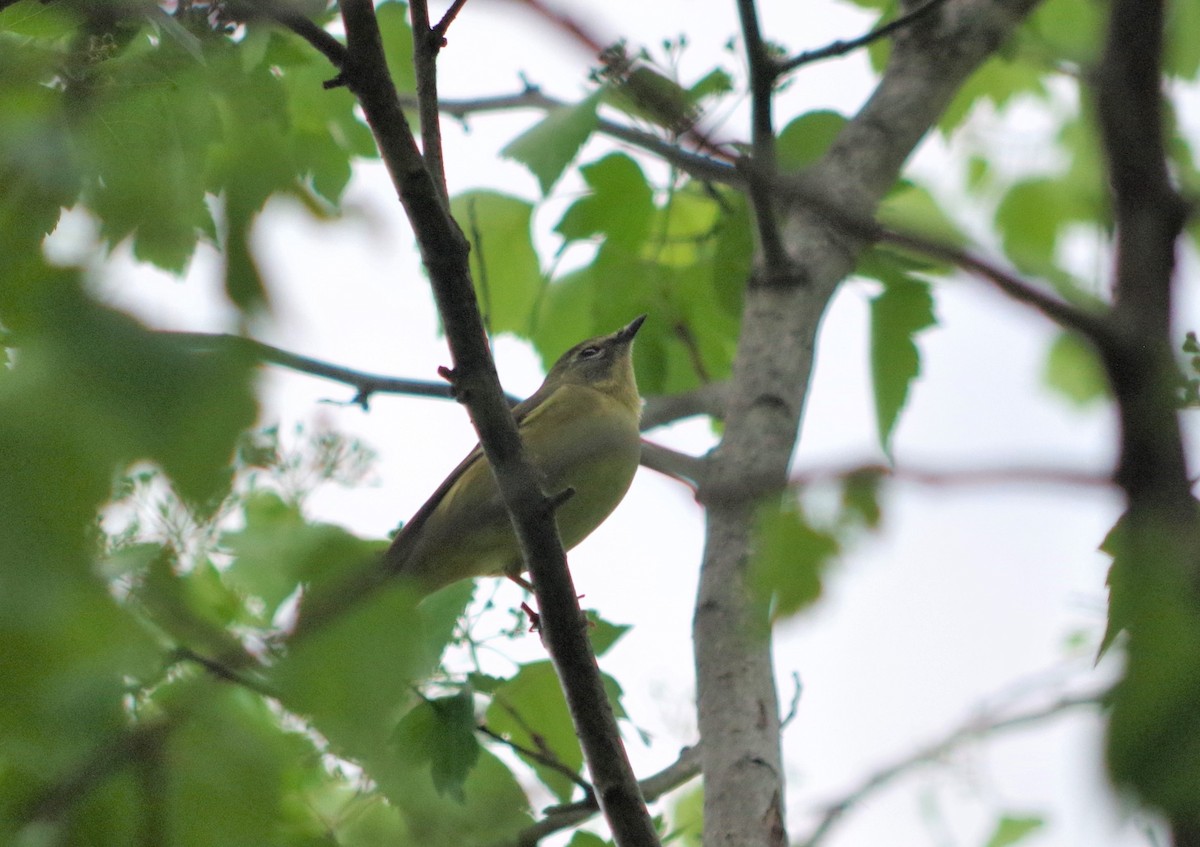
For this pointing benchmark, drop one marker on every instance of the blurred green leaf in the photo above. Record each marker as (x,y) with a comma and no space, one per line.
(999,81)
(904,309)
(1011,829)
(1073,371)
(1182,57)
(277,550)
(194,607)
(910,208)
(397,43)
(226,762)
(441,732)
(715,83)
(789,557)
(1154,729)
(860,498)
(550,145)
(352,672)
(604,634)
(806,138)
(530,710)
(1030,218)
(1066,30)
(493,808)
(687,816)
(618,208)
(508,278)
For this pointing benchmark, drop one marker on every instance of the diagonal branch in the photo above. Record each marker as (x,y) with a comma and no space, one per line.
(1091,325)
(444,252)
(426,45)
(286,15)
(699,166)
(444,24)
(682,770)
(1155,577)
(762,167)
(973,729)
(365,384)
(841,48)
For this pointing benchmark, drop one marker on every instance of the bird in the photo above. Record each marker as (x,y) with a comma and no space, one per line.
(580,430)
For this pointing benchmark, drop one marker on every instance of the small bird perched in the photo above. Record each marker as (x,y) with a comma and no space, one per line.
(580,430)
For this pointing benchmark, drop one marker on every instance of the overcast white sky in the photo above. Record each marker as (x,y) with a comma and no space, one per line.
(966,596)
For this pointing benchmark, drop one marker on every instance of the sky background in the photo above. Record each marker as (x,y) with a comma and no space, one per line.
(972,600)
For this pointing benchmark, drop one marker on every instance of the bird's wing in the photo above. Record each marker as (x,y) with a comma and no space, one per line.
(401,546)
(397,553)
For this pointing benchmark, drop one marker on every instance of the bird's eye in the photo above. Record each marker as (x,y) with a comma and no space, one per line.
(590,352)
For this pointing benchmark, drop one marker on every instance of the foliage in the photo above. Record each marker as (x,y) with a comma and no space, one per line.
(155,544)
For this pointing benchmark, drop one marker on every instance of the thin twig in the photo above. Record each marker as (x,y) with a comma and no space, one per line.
(699,166)
(426,46)
(444,24)
(679,466)
(542,758)
(841,48)
(285,14)
(972,729)
(794,707)
(365,384)
(226,671)
(1007,474)
(708,399)
(682,770)
(1091,325)
(761,168)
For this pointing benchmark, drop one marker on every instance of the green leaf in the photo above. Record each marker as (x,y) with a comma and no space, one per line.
(687,816)
(549,146)
(715,83)
(860,498)
(226,763)
(441,733)
(397,44)
(493,808)
(1154,726)
(505,266)
(530,710)
(618,208)
(277,550)
(1011,829)
(1073,371)
(1182,57)
(194,607)
(603,634)
(805,139)
(789,557)
(1029,219)
(146,394)
(351,673)
(904,309)
(1119,587)
(1000,80)
(1069,30)
(910,208)
(38,20)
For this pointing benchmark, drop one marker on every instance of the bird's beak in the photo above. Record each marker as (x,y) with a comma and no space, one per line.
(626,333)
